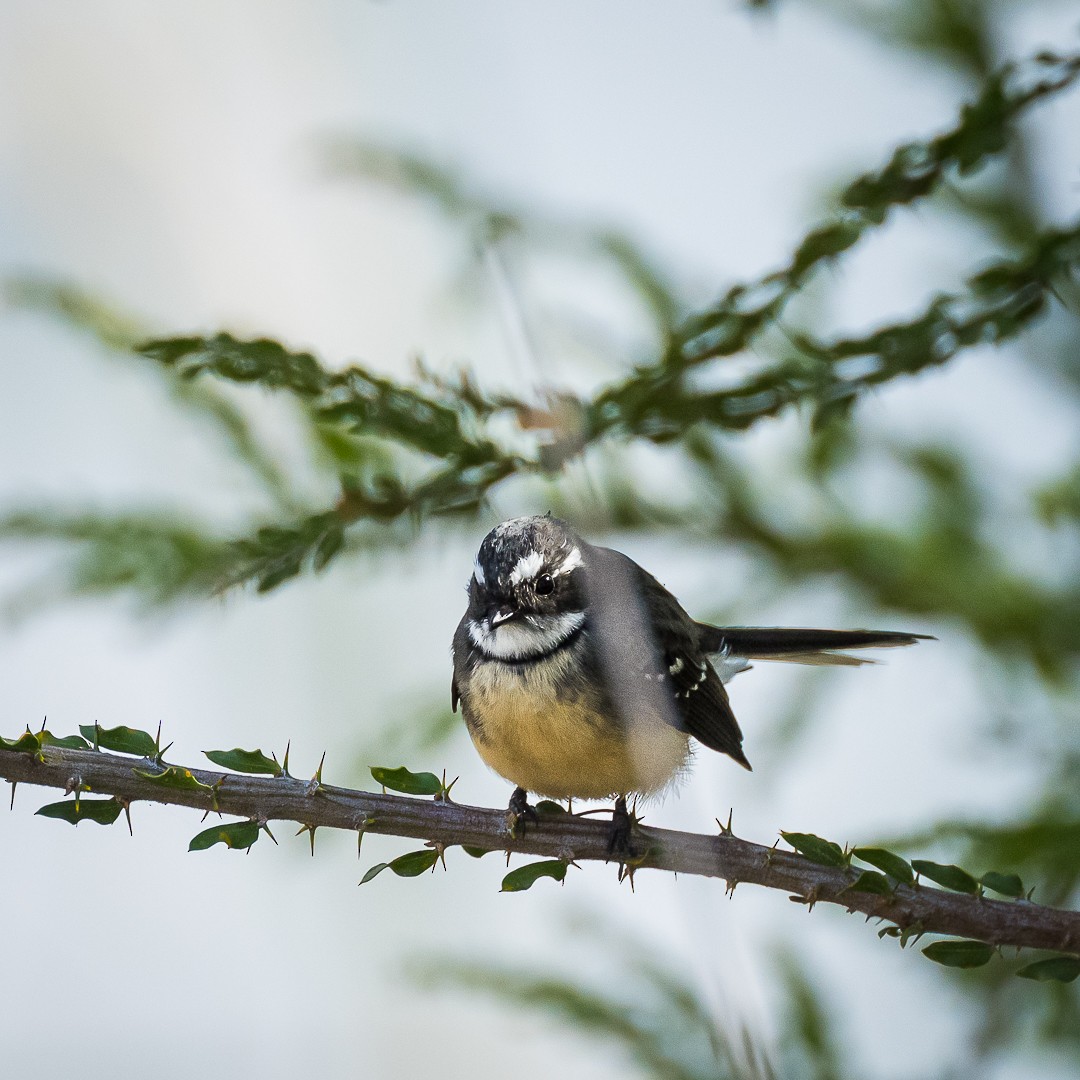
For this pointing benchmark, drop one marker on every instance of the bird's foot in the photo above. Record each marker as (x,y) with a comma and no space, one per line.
(520,811)
(620,838)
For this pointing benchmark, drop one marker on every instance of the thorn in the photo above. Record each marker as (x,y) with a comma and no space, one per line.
(126,804)
(157,742)
(569,809)
(310,830)
(285,763)
(317,778)
(266,829)
(359,841)
(14,785)
(729,887)
(162,753)
(440,850)
(725,830)
(444,795)
(43,723)
(508,859)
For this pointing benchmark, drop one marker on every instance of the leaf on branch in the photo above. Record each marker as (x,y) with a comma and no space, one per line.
(524,877)
(959,954)
(245,761)
(121,740)
(947,875)
(239,835)
(412,864)
(870,881)
(103,811)
(1055,968)
(27,743)
(175,777)
(476,852)
(353,397)
(823,852)
(409,783)
(1005,884)
(891,863)
(65,742)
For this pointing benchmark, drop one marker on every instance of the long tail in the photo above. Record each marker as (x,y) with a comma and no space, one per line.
(798,645)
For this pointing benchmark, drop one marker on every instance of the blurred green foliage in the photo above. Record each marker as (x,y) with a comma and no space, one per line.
(405,457)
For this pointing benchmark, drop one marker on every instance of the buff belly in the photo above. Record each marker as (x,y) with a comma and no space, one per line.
(558,745)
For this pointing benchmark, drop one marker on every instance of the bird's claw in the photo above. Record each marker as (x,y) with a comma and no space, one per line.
(622,828)
(520,811)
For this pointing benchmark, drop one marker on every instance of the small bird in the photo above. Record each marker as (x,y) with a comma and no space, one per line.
(581,677)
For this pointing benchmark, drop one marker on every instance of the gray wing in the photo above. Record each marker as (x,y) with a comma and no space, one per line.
(702,707)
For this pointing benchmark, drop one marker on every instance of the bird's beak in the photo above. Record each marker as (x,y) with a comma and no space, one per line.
(504,614)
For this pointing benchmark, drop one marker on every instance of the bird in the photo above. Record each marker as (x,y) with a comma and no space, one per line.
(580,676)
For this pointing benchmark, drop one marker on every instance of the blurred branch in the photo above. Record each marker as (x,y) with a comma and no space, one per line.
(660,1024)
(489,219)
(915,909)
(119,332)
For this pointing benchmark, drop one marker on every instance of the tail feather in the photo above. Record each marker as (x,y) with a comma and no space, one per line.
(799,645)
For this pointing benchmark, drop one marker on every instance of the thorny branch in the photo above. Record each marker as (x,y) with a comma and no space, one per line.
(443,823)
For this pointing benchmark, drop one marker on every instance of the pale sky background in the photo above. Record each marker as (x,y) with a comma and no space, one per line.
(167,157)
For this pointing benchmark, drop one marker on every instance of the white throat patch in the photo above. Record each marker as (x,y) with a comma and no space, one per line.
(532,635)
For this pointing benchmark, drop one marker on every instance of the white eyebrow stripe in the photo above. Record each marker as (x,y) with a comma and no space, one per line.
(528,566)
(571,562)
(478,573)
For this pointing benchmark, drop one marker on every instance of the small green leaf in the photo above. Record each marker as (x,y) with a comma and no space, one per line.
(411,864)
(235,834)
(891,863)
(65,742)
(546,806)
(175,777)
(26,743)
(870,881)
(476,852)
(374,872)
(414,863)
(410,783)
(1056,968)
(1005,884)
(328,545)
(524,877)
(946,875)
(824,852)
(121,740)
(960,954)
(103,811)
(244,761)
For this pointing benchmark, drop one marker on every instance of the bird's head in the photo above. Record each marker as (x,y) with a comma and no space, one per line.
(526,594)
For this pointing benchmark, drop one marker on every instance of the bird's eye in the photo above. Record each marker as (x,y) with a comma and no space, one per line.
(545,585)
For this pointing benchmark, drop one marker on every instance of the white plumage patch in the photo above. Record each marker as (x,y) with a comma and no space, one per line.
(533,635)
(478,573)
(728,666)
(571,562)
(528,566)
